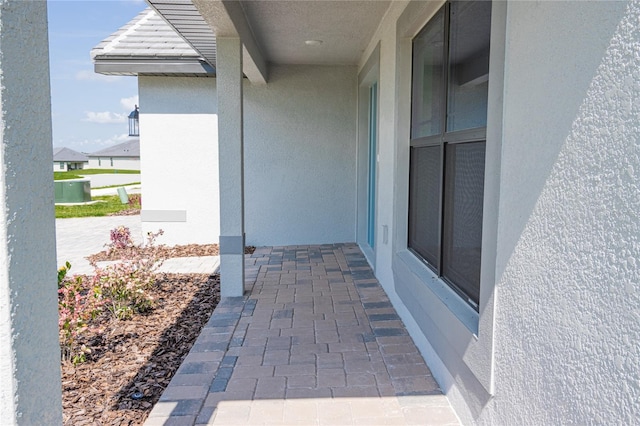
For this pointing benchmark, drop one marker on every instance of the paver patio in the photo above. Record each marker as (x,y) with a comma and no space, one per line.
(315,342)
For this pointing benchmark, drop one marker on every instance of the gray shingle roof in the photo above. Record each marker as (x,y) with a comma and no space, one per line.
(68,155)
(130,148)
(147,45)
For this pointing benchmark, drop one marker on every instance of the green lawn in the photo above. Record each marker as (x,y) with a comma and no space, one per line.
(111,204)
(65,175)
(117,186)
(76,174)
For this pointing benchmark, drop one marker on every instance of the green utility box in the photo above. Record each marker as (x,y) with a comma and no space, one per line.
(72,191)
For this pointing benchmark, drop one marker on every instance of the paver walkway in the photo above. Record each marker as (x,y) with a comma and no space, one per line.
(315,342)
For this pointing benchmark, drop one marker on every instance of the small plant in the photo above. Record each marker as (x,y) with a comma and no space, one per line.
(62,272)
(135,201)
(120,238)
(124,285)
(121,288)
(77,305)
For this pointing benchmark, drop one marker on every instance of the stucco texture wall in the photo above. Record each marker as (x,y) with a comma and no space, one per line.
(179,157)
(300,156)
(123,163)
(30,389)
(299,153)
(567,321)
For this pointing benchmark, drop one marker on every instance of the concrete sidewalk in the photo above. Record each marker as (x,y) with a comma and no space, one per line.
(131,189)
(77,238)
(80,237)
(108,179)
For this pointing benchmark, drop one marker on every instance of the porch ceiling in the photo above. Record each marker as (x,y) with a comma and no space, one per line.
(275,31)
(344,27)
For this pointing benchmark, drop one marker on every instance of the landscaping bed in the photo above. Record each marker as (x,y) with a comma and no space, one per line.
(125,329)
(187,250)
(137,357)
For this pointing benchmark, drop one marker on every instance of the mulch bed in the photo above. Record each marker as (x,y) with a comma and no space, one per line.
(187,250)
(142,354)
(138,355)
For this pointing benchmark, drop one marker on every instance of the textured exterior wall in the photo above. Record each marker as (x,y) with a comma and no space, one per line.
(299,150)
(300,156)
(122,163)
(561,347)
(29,354)
(568,298)
(179,156)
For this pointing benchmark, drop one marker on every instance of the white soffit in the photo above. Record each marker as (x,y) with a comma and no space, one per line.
(276,31)
(345,28)
(198,22)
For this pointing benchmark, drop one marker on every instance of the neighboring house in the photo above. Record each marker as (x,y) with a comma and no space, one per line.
(65,159)
(483,154)
(124,156)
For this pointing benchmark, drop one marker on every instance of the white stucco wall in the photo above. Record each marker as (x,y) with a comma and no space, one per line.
(568,295)
(561,223)
(30,388)
(300,156)
(124,163)
(299,150)
(179,158)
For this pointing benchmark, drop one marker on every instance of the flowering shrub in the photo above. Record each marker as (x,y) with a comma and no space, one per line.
(76,306)
(124,285)
(120,288)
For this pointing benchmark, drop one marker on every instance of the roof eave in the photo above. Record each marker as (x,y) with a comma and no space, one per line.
(200,22)
(150,66)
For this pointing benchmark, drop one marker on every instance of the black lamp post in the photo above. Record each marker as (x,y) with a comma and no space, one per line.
(134,122)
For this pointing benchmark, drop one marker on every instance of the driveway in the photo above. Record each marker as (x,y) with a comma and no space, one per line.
(111,179)
(80,237)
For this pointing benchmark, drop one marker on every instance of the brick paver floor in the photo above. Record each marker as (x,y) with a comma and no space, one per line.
(315,342)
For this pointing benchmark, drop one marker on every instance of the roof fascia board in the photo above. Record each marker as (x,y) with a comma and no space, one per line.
(134,66)
(227,19)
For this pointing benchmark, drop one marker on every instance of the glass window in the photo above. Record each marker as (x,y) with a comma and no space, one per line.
(468,65)
(462,227)
(424,187)
(446,174)
(427,106)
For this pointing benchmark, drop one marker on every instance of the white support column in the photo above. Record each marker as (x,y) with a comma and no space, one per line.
(30,387)
(231,159)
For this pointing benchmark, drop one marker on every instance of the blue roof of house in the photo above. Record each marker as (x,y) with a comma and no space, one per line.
(130,148)
(69,155)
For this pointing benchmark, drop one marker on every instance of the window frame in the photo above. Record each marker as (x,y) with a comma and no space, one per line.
(441,140)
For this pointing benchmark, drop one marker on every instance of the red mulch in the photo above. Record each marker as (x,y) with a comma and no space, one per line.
(138,355)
